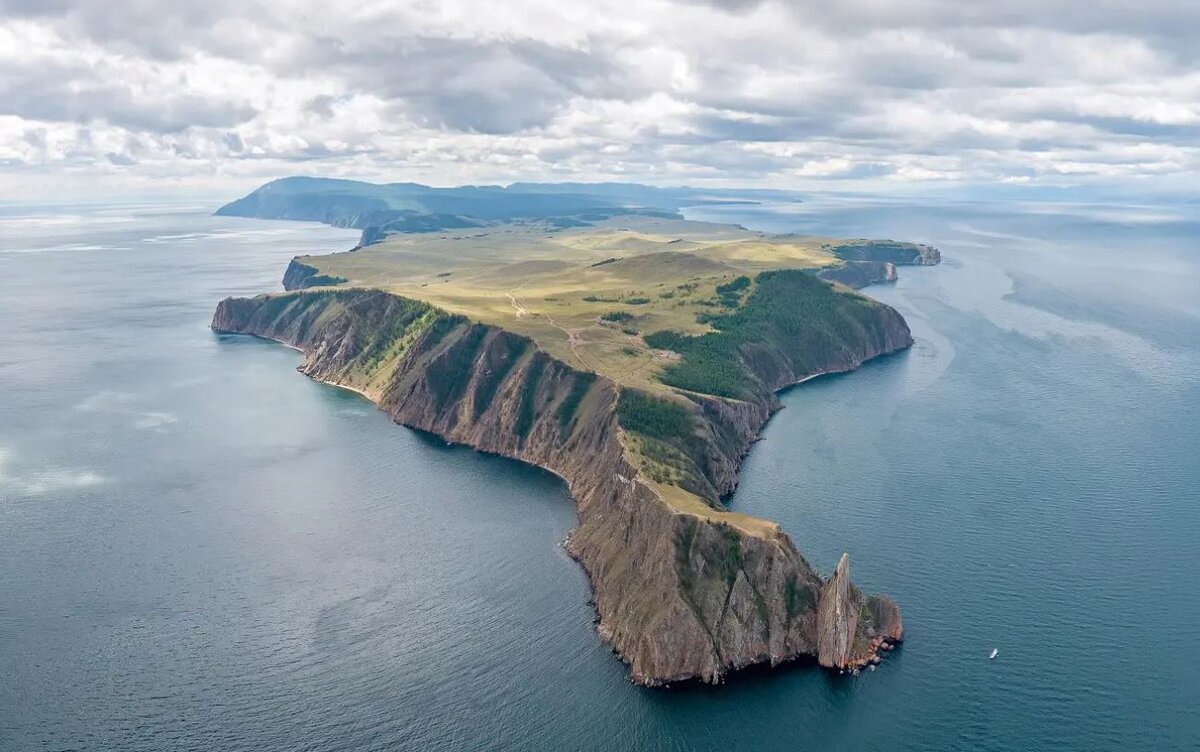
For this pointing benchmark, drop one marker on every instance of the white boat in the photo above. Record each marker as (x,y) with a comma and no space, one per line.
(994,653)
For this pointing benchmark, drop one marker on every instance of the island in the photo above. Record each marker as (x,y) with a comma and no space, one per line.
(596,333)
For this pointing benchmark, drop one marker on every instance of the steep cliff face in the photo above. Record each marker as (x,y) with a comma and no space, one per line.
(681,594)
(887,250)
(852,627)
(300,275)
(858,274)
(872,262)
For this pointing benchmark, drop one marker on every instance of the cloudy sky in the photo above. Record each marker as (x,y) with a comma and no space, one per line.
(98,95)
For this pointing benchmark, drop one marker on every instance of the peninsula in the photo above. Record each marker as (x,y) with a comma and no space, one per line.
(594,332)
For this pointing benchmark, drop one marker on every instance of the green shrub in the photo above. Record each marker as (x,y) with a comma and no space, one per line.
(616,316)
(737,285)
(730,293)
(792,312)
(654,417)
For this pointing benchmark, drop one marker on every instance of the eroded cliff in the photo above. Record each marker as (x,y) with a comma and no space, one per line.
(853,627)
(300,275)
(857,274)
(684,589)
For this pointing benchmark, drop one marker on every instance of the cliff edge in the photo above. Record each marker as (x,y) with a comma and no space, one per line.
(684,588)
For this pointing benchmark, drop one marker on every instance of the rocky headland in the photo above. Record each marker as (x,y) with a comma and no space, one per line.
(590,330)
(683,590)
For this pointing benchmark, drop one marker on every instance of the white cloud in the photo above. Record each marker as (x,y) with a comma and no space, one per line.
(740,92)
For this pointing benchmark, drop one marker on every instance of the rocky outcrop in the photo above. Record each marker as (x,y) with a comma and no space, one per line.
(858,274)
(680,595)
(868,262)
(837,619)
(886,250)
(300,275)
(853,628)
(927,255)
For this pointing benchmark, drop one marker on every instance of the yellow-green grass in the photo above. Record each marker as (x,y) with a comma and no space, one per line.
(684,502)
(555,285)
(562,287)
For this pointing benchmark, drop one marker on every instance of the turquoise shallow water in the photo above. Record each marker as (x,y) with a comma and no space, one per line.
(204,550)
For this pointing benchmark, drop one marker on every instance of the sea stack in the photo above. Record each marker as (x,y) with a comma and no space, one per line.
(851,627)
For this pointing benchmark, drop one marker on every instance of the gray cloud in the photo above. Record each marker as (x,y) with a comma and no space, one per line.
(471,85)
(756,90)
(79,94)
(731,6)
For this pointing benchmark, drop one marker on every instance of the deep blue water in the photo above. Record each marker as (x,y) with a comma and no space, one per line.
(203,550)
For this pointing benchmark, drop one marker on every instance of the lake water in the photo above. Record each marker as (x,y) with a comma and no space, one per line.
(203,550)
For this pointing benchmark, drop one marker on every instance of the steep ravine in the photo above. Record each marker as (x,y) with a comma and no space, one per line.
(679,595)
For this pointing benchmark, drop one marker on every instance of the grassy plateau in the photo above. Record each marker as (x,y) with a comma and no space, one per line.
(661,306)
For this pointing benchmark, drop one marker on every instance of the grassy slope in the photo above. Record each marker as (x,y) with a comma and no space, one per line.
(803,318)
(562,287)
(547,285)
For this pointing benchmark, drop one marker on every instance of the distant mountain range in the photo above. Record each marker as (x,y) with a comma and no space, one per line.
(382,210)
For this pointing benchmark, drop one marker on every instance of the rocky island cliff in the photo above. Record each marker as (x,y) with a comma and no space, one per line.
(684,588)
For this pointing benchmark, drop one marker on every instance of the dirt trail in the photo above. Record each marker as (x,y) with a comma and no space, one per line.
(516,304)
(573,339)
